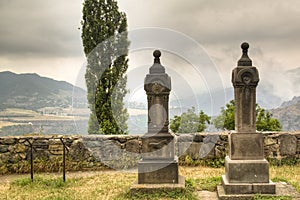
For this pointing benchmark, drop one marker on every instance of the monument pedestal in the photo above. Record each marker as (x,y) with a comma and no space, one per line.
(247,188)
(159,165)
(247,177)
(158,176)
(246,146)
(158,171)
(246,170)
(158,168)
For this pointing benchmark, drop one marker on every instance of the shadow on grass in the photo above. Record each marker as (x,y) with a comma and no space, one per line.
(189,194)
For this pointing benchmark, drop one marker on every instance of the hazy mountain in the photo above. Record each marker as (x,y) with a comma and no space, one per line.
(31,91)
(294,76)
(294,101)
(289,114)
(295,73)
(212,102)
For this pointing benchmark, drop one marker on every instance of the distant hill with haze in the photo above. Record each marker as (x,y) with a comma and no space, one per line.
(289,114)
(31,91)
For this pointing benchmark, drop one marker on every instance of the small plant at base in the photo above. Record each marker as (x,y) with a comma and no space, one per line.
(284,161)
(213,162)
(40,181)
(188,193)
(279,179)
(209,184)
(259,197)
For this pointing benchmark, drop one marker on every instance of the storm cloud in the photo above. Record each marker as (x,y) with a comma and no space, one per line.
(43,36)
(271,27)
(40,28)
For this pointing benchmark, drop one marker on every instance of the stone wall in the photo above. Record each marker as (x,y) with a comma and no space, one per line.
(86,152)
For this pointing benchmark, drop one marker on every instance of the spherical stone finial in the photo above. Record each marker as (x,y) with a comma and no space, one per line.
(245,47)
(245,60)
(157,67)
(157,53)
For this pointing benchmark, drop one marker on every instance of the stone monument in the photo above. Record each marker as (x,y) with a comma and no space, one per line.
(158,167)
(246,170)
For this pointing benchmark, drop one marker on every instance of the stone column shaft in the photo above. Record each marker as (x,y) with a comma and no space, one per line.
(245,113)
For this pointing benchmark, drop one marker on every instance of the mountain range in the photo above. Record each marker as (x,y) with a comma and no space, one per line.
(31,91)
(288,114)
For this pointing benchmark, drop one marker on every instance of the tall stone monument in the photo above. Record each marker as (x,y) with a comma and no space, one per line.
(246,170)
(158,165)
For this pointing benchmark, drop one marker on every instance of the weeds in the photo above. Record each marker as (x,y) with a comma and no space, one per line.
(259,197)
(41,182)
(209,184)
(209,162)
(188,193)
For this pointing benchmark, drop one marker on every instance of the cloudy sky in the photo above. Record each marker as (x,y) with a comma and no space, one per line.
(44,36)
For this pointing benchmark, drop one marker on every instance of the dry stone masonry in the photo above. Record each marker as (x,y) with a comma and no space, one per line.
(279,147)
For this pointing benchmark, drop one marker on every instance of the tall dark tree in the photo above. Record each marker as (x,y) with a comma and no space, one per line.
(104,36)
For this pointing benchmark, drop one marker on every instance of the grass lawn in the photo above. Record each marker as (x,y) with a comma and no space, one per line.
(116,185)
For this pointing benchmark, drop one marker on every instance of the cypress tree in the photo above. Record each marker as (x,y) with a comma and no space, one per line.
(104,37)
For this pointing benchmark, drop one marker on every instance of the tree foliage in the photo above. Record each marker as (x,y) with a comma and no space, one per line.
(189,122)
(105,45)
(226,119)
(264,120)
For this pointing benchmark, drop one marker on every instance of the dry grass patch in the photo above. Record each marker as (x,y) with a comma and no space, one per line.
(290,174)
(116,185)
(201,172)
(101,186)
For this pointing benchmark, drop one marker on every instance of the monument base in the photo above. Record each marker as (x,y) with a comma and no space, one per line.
(137,188)
(158,171)
(247,171)
(248,188)
(247,177)
(282,189)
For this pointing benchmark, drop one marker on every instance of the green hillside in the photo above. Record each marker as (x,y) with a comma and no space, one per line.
(31,91)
